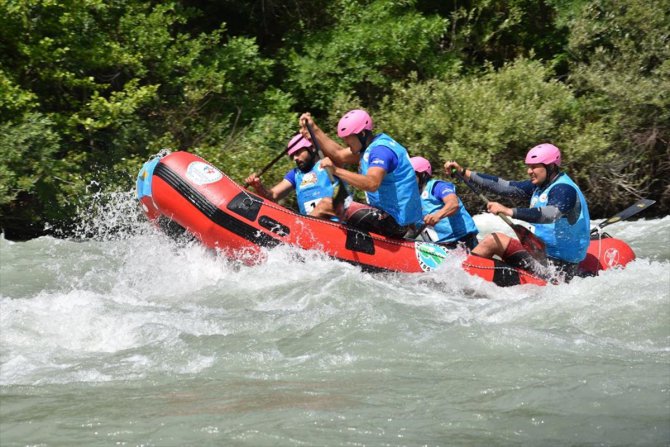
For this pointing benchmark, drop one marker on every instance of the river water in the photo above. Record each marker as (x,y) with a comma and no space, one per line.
(124,337)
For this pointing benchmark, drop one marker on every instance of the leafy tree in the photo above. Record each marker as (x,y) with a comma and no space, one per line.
(115,81)
(269,22)
(497,32)
(372,44)
(29,175)
(489,121)
(90,88)
(620,66)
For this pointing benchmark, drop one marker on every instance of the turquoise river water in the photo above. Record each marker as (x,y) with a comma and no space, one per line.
(125,337)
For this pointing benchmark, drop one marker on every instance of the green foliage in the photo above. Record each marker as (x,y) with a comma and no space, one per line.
(29,176)
(90,88)
(497,32)
(13,99)
(372,44)
(118,81)
(252,147)
(621,64)
(489,121)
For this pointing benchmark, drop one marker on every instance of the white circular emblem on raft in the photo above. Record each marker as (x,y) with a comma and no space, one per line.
(430,256)
(202,173)
(612,257)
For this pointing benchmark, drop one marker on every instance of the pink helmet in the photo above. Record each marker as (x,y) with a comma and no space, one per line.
(544,153)
(420,164)
(353,122)
(297,142)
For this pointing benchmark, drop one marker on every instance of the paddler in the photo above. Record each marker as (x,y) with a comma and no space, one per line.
(384,173)
(313,187)
(447,221)
(558,210)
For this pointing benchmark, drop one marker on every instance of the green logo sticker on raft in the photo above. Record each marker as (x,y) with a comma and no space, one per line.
(430,256)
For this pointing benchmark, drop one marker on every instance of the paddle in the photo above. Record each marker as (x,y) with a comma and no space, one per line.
(340,194)
(276,159)
(533,244)
(635,208)
(317,146)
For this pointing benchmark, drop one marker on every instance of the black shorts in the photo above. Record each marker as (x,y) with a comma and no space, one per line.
(370,219)
(470,241)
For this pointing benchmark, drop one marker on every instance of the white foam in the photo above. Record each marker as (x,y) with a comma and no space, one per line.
(131,302)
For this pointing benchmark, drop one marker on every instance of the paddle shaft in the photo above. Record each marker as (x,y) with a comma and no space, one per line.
(276,159)
(533,245)
(632,210)
(341,193)
(483,198)
(317,146)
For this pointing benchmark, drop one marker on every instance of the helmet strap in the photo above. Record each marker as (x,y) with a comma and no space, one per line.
(423,179)
(552,172)
(363,139)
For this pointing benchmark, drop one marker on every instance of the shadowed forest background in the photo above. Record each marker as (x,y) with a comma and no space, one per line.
(90,89)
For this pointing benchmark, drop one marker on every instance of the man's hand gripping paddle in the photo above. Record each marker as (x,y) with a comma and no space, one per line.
(531,243)
(340,193)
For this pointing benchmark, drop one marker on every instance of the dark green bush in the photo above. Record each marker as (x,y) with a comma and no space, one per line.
(620,64)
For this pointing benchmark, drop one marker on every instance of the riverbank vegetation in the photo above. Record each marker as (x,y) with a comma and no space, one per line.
(89,89)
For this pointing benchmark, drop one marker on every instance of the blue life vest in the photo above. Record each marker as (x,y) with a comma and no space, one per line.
(568,238)
(398,193)
(144,177)
(452,228)
(312,186)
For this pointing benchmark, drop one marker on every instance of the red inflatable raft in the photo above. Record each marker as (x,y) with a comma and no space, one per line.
(183,188)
